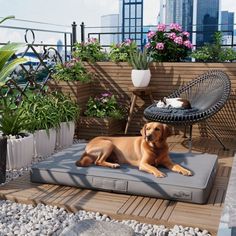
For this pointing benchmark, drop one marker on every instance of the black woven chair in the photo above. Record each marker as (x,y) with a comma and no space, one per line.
(207,94)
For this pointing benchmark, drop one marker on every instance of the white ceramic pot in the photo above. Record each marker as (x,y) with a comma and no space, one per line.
(65,134)
(44,144)
(141,78)
(20,152)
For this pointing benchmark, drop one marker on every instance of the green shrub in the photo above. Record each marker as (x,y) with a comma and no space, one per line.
(215,52)
(90,51)
(121,52)
(104,106)
(72,70)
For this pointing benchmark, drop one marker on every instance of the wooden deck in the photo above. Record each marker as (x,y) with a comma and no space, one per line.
(144,209)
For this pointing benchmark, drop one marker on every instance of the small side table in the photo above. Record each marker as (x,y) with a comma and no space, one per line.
(146,91)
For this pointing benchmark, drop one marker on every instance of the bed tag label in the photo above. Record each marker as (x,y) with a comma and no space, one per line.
(181,194)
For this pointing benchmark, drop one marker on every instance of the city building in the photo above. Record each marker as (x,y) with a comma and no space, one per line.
(110,29)
(227,22)
(181,12)
(131,20)
(207,20)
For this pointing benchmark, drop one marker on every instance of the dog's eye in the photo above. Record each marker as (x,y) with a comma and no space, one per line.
(157,129)
(148,128)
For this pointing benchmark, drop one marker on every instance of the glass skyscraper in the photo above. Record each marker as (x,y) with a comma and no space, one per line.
(177,11)
(207,20)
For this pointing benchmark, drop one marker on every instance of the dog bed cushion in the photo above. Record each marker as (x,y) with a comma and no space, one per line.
(61,169)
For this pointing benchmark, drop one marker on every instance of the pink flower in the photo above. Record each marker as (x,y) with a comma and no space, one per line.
(172,35)
(160,46)
(185,33)
(151,34)
(128,41)
(178,40)
(161,27)
(148,45)
(175,26)
(187,44)
(92,40)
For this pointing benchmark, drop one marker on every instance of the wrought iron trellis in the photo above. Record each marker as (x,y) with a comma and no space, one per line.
(46,59)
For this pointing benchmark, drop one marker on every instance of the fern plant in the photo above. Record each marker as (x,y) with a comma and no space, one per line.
(140,60)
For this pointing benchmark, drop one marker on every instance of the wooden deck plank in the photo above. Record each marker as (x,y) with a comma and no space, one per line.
(154,208)
(147,207)
(141,206)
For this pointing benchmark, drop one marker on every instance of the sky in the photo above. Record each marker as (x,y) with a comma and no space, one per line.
(64,12)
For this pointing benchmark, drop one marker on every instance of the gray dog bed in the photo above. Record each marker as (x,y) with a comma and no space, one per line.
(61,169)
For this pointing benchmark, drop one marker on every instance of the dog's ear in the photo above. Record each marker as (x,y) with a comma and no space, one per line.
(166,132)
(143,131)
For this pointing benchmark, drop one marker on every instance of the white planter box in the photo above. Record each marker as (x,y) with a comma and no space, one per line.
(44,144)
(20,152)
(65,134)
(140,78)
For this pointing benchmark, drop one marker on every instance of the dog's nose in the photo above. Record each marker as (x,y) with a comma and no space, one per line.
(149,137)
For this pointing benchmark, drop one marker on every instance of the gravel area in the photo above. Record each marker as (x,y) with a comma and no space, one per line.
(21,219)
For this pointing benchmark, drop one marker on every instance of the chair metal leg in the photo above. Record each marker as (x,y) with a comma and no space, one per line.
(190,138)
(214,133)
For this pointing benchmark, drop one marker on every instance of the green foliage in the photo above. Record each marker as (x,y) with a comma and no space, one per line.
(11,121)
(40,112)
(104,106)
(7,65)
(121,52)
(11,118)
(67,108)
(214,52)
(45,111)
(140,60)
(72,70)
(90,51)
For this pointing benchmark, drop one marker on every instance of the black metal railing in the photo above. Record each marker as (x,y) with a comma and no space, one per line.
(101,32)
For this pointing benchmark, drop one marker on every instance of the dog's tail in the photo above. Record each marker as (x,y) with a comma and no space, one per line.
(85,160)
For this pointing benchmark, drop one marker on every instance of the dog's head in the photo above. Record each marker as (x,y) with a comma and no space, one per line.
(155,132)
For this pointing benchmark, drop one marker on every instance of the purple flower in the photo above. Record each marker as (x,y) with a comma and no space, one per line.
(106,94)
(178,40)
(161,27)
(175,26)
(128,42)
(160,46)
(187,44)
(185,33)
(151,34)
(148,45)
(172,35)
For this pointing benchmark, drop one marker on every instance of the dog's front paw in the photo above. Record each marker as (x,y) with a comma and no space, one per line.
(159,174)
(115,165)
(186,172)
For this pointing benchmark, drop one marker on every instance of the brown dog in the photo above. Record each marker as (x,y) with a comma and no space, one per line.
(146,151)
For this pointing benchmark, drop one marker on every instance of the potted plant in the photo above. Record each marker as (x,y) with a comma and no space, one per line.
(42,118)
(72,78)
(172,45)
(140,74)
(68,111)
(103,116)
(19,143)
